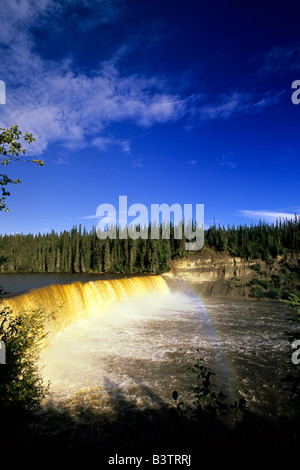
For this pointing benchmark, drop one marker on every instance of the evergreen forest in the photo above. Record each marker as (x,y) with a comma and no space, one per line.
(82,251)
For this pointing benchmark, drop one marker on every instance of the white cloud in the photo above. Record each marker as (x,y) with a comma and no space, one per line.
(90,217)
(137,163)
(226,162)
(62,161)
(237,103)
(26,12)
(59,105)
(268,216)
(105,142)
(280,60)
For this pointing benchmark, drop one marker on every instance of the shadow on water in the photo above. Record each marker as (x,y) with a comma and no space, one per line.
(124,428)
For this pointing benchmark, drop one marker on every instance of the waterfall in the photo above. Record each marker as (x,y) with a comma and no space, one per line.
(68,302)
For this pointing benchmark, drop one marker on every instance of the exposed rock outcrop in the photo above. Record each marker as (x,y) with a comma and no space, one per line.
(217,274)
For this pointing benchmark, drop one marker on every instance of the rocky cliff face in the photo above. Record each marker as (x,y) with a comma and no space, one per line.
(218,274)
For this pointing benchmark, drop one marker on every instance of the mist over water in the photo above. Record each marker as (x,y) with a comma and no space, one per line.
(139,345)
(141,350)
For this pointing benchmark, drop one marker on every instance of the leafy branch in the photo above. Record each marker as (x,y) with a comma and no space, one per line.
(11,149)
(206,398)
(23,334)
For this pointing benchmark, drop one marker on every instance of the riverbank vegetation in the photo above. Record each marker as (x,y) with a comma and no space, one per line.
(274,247)
(21,333)
(21,384)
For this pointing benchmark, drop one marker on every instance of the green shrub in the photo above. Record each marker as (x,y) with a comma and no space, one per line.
(275,293)
(258,292)
(21,385)
(256,267)
(206,398)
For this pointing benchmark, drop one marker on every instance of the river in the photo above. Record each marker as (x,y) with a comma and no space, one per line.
(141,349)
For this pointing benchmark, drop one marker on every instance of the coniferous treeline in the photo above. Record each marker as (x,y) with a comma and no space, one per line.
(80,251)
(262,241)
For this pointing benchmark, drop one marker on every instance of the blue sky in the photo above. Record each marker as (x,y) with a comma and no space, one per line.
(176,101)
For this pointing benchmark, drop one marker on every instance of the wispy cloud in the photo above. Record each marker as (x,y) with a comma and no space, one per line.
(280,60)
(62,161)
(82,13)
(59,103)
(62,104)
(105,142)
(138,162)
(227,162)
(268,216)
(94,216)
(109,215)
(237,103)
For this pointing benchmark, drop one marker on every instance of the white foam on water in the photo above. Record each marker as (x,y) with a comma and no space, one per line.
(129,347)
(141,350)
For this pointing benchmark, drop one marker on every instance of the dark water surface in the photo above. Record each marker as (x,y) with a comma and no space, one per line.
(16,284)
